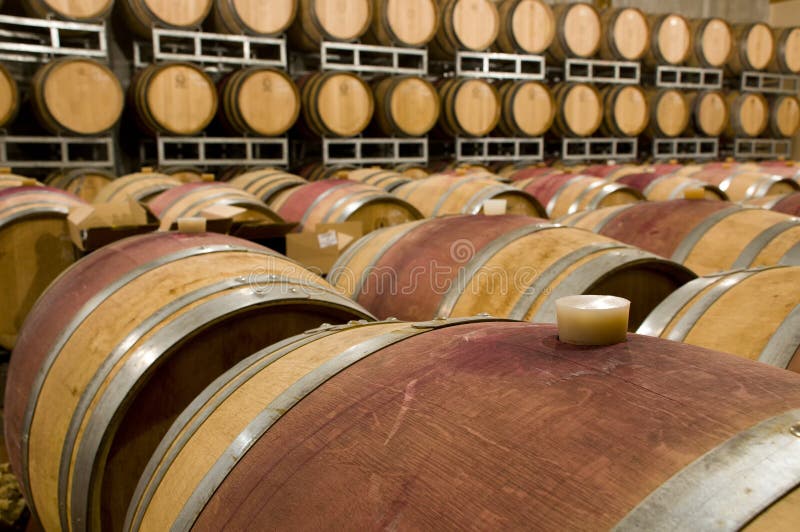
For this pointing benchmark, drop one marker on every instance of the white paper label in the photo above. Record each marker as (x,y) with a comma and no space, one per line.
(327,239)
(495,207)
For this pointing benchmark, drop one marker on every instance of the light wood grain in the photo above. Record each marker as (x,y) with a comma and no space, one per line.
(713,42)
(345,105)
(709,112)
(582,30)
(626,34)
(671,40)
(580,109)
(754,47)
(476,23)
(403,22)
(261,101)
(406,106)
(527,26)
(177,98)
(254,16)
(83,182)
(785,116)
(470,107)
(342,19)
(528,108)
(9,97)
(81,10)
(626,111)
(787,50)
(669,112)
(749,114)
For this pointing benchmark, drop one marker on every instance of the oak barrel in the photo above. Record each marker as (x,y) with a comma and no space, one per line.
(319,171)
(259,101)
(336,104)
(191,199)
(140,186)
(403,22)
(470,107)
(76,96)
(9,180)
(787,50)
(253,17)
(526,26)
(709,311)
(507,266)
(626,34)
(754,47)
(9,97)
(744,184)
(578,31)
(528,108)
(670,40)
(515,400)
(388,180)
(709,112)
(625,111)
(83,182)
(784,116)
(342,200)
(749,114)
(786,203)
(579,109)
(185,174)
(123,341)
(173,99)
(329,20)
(669,112)
(712,44)
(412,170)
(564,194)
(465,25)
(35,248)
(441,195)
(142,15)
(660,187)
(78,10)
(267,182)
(405,106)
(705,236)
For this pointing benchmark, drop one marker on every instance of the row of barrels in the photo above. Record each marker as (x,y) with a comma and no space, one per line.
(527,26)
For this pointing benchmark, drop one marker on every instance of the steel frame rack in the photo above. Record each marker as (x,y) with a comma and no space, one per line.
(762,148)
(359,151)
(370,59)
(489,65)
(598,71)
(98,152)
(32,40)
(582,149)
(499,149)
(675,77)
(217,151)
(770,83)
(686,148)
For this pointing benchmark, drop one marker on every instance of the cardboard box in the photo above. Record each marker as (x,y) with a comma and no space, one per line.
(320,249)
(94,226)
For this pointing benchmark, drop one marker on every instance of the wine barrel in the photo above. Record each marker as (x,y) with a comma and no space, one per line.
(342,423)
(709,112)
(388,180)
(141,16)
(336,104)
(784,116)
(80,10)
(526,26)
(253,17)
(76,96)
(123,341)
(342,200)
(36,248)
(173,98)
(626,34)
(579,31)
(712,44)
(527,109)
(786,203)
(9,180)
(787,50)
(142,186)
(465,25)
(749,114)
(669,113)
(267,182)
(470,107)
(403,22)
(329,20)
(185,174)
(742,184)
(508,266)
(259,101)
(412,170)
(705,236)
(527,172)
(441,195)
(754,47)
(319,171)
(85,183)
(580,109)
(625,111)
(9,97)
(564,194)
(660,187)
(670,40)
(191,199)
(405,106)
(708,310)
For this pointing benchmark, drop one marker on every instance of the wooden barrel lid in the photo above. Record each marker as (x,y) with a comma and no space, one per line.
(672,113)
(181,98)
(266,18)
(476,107)
(753,113)
(760,46)
(631,33)
(787,116)
(414,106)
(269,102)
(79,9)
(716,42)
(582,109)
(631,111)
(476,23)
(9,96)
(533,108)
(791,50)
(413,22)
(582,30)
(83,96)
(711,113)
(179,13)
(343,20)
(533,26)
(344,103)
(674,39)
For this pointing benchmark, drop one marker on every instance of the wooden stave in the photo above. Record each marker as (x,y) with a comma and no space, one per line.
(83,182)
(694,99)
(309,88)
(412,170)
(139,186)
(383,90)
(307,34)
(506,40)
(508,124)
(226,19)
(743,184)
(41,9)
(185,174)
(608,47)
(388,180)
(654,55)
(446,42)
(697,56)
(774,126)
(609,125)
(266,183)
(653,127)
(736,101)
(380,30)
(141,19)
(739,60)
(448,120)
(11,114)
(559,48)
(779,63)
(564,194)
(560,126)
(230,114)
(660,187)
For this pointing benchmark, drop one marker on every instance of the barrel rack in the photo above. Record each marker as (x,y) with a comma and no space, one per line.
(689,78)
(762,148)
(26,43)
(686,148)
(768,82)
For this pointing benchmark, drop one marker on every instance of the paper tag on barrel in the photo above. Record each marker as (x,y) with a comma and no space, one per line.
(495,207)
